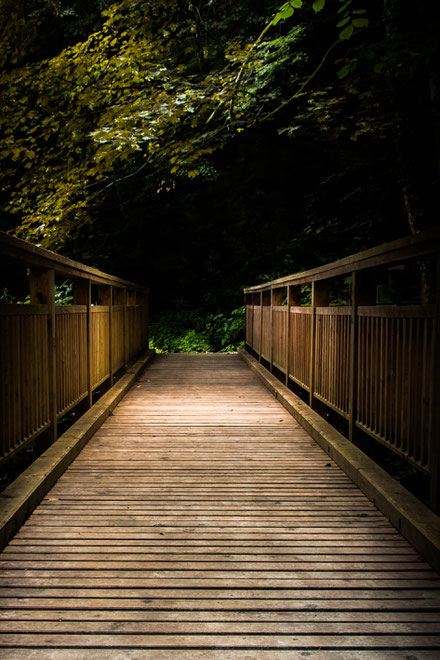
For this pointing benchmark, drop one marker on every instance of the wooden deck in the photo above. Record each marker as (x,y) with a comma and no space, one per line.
(202,522)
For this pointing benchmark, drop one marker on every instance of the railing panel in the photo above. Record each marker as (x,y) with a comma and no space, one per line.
(396,371)
(144,326)
(53,357)
(131,330)
(138,330)
(256,329)
(99,344)
(135,334)
(332,357)
(71,352)
(118,349)
(249,320)
(279,337)
(24,403)
(266,339)
(377,366)
(299,339)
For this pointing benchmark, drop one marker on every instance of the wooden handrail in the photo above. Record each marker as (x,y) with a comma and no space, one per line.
(32,256)
(409,247)
(57,359)
(376,365)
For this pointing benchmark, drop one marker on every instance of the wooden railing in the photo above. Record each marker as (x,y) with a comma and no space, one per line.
(53,358)
(376,365)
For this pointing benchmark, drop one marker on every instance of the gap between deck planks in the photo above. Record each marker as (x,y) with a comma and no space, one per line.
(202,520)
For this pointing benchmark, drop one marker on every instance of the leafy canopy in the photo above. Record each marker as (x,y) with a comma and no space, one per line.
(159,86)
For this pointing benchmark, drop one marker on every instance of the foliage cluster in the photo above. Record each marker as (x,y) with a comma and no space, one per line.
(195,331)
(160,86)
(63,295)
(235,137)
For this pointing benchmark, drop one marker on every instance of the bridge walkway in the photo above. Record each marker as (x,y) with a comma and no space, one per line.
(201,521)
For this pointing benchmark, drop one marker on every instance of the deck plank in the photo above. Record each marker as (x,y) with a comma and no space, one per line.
(201,520)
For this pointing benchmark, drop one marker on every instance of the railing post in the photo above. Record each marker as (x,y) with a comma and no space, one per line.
(248,327)
(42,292)
(276,299)
(140,335)
(105,295)
(287,344)
(131,300)
(320,298)
(147,319)
(261,327)
(140,300)
(82,295)
(121,299)
(293,299)
(271,302)
(255,297)
(363,292)
(435,435)
(245,297)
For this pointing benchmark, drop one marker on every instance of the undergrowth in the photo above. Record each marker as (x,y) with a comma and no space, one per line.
(195,331)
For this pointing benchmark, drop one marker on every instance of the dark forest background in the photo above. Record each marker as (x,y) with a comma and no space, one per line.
(199,147)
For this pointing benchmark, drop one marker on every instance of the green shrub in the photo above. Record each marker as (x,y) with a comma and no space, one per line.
(197,331)
(227,331)
(63,295)
(194,342)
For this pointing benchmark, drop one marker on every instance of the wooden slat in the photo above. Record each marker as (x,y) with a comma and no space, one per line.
(299,354)
(24,387)
(202,521)
(333,357)
(395,376)
(71,328)
(99,344)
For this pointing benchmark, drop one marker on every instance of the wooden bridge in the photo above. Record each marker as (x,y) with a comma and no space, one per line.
(202,520)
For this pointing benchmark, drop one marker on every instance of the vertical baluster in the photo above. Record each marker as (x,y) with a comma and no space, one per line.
(42,291)
(363,293)
(105,294)
(417,389)
(387,376)
(434,462)
(320,298)
(397,383)
(260,348)
(426,377)
(293,299)
(82,295)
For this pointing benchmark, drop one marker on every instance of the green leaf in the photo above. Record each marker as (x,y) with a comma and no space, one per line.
(285,12)
(343,73)
(360,22)
(347,69)
(343,22)
(296,3)
(346,33)
(344,7)
(318,5)
(359,11)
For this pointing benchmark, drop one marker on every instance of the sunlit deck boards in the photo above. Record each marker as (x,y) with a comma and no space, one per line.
(201,521)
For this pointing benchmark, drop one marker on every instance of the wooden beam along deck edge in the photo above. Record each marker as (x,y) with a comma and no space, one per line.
(21,497)
(418,524)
